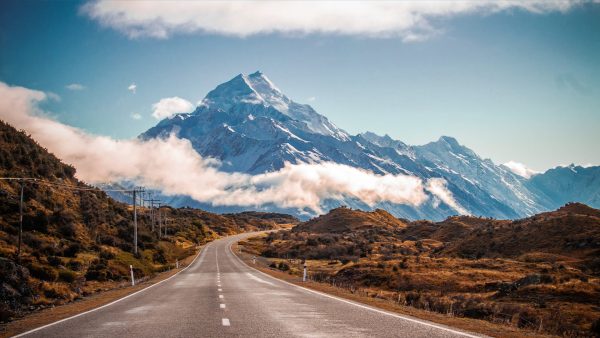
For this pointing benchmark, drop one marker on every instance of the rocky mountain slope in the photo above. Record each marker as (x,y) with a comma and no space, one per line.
(251,126)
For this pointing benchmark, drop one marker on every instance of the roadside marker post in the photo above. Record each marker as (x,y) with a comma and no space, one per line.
(132,278)
(304,275)
(177,263)
(254,259)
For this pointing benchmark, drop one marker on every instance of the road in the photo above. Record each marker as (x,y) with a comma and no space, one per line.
(220,296)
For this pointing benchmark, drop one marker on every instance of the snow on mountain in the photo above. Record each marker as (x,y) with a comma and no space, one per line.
(252,127)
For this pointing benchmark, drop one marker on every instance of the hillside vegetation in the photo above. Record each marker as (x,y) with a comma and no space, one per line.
(539,273)
(77,240)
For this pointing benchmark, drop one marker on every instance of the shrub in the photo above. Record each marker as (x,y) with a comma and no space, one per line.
(107,240)
(595,330)
(67,276)
(106,255)
(54,260)
(43,272)
(72,250)
(75,265)
(67,230)
(31,240)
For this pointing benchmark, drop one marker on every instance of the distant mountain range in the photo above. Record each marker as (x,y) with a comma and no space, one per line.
(252,127)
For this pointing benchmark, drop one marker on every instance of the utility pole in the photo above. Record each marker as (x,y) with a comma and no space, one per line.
(21,181)
(20,224)
(159,222)
(135,228)
(152,201)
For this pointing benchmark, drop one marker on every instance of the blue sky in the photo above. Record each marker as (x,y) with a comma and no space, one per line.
(512,84)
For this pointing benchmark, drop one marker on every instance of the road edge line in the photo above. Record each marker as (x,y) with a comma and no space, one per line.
(367,307)
(114,301)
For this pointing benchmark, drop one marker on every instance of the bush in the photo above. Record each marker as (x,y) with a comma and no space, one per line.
(596,328)
(43,272)
(31,240)
(72,250)
(106,255)
(54,260)
(67,276)
(107,240)
(67,230)
(75,265)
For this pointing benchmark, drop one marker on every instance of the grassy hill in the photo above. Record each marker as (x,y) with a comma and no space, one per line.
(540,273)
(77,240)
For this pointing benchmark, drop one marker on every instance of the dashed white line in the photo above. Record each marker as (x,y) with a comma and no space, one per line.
(222,306)
(221,296)
(225,322)
(220,290)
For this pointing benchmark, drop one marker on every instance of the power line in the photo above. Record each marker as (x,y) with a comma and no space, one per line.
(23,180)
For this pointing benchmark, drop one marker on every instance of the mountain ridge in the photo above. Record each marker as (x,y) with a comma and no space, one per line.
(250,126)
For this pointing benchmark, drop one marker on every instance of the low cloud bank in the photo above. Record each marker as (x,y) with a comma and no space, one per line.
(520,169)
(174,167)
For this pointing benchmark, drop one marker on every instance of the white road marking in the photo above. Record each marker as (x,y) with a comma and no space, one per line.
(222,306)
(220,290)
(221,296)
(410,319)
(201,253)
(139,309)
(258,279)
(225,322)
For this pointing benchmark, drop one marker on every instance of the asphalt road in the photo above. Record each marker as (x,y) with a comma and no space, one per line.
(220,296)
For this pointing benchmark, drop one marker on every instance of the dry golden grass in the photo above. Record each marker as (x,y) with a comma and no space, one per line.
(542,274)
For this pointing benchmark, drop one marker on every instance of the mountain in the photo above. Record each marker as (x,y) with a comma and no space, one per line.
(77,240)
(252,127)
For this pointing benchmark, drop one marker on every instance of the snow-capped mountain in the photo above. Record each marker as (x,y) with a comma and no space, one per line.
(252,127)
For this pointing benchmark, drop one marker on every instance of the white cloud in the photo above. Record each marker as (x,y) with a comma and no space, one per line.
(174,167)
(75,86)
(132,88)
(136,116)
(312,99)
(520,169)
(170,106)
(437,187)
(409,20)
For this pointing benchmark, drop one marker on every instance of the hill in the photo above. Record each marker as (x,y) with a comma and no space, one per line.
(539,273)
(344,219)
(77,240)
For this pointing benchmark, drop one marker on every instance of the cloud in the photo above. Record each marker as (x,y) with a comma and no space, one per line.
(520,169)
(311,99)
(409,20)
(437,187)
(174,167)
(132,88)
(75,86)
(170,106)
(136,116)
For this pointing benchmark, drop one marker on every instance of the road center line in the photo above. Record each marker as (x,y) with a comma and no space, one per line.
(222,306)
(220,290)
(221,296)
(225,322)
